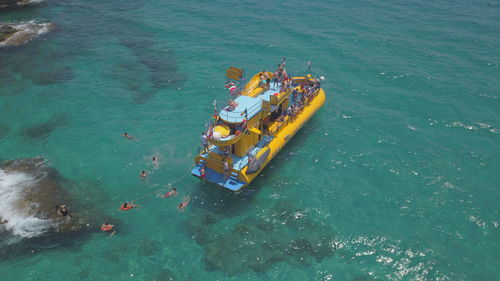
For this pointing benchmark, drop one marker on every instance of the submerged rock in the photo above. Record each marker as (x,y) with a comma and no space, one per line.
(42,130)
(30,192)
(18,34)
(4,129)
(285,234)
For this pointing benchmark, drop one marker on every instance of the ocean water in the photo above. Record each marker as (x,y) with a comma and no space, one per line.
(395,178)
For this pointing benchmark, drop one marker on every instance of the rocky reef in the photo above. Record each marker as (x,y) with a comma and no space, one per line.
(284,234)
(30,192)
(16,3)
(18,34)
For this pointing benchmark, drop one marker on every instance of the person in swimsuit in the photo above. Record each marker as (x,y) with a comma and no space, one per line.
(264,80)
(184,203)
(127,136)
(155,161)
(62,210)
(226,169)
(106,227)
(204,142)
(143,174)
(203,173)
(172,192)
(127,206)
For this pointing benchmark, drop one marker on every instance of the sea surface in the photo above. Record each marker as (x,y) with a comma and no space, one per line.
(395,178)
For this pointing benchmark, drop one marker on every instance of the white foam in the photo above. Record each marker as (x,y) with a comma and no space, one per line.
(30,29)
(21,222)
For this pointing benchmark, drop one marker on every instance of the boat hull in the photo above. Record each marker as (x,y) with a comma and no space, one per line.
(280,139)
(286,134)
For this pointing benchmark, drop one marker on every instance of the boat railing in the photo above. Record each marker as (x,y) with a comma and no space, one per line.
(279,125)
(287,119)
(229,116)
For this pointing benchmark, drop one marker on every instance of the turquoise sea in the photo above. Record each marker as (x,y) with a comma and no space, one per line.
(395,178)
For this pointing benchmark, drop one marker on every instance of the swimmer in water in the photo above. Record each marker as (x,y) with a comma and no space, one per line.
(62,210)
(184,203)
(172,192)
(155,161)
(128,136)
(128,206)
(106,227)
(143,174)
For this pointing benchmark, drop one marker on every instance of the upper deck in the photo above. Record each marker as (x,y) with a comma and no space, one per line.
(252,105)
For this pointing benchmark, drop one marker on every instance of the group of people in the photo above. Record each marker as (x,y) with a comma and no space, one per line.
(127,206)
(306,91)
(279,76)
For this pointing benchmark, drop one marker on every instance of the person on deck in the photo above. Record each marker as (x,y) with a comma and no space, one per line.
(232,105)
(226,169)
(264,80)
(227,152)
(203,173)
(204,142)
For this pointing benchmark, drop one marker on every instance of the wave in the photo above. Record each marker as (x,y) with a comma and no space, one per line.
(26,32)
(23,220)
(20,3)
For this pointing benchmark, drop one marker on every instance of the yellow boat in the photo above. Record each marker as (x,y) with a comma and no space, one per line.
(246,135)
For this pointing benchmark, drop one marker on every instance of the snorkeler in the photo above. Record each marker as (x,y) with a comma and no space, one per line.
(106,227)
(128,136)
(184,203)
(143,174)
(172,192)
(62,210)
(155,161)
(128,206)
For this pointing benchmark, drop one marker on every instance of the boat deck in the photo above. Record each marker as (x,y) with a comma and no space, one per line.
(218,178)
(252,105)
(240,162)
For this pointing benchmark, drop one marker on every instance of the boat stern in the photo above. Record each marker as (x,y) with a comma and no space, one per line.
(233,183)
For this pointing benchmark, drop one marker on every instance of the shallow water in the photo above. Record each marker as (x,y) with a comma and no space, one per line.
(396,174)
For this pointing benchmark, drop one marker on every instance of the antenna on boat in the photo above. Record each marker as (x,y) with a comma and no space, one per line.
(309,67)
(283,61)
